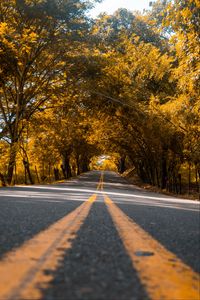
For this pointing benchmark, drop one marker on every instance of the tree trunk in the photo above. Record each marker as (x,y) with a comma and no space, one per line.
(78,165)
(36,172)
(66,166)
(15,175)
(196,177)
(164,170)
(28,172)
(12,161)
(2,179)
(63,171)
(157,177)
(189,178)
(199,183)
(49,173)
(85,167)
(122,166)
(179,183)
(56,174)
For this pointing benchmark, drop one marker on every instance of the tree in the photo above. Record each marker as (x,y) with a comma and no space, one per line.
(36,38)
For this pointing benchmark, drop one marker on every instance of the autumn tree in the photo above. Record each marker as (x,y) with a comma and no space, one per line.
(137,83)
(36,37)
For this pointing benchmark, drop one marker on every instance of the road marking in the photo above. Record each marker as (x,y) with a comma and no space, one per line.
(163,274)
(100,184)
(26,271)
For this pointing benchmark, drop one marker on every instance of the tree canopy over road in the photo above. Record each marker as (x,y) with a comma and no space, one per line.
(124,85)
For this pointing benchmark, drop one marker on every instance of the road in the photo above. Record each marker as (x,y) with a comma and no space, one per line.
(97,237)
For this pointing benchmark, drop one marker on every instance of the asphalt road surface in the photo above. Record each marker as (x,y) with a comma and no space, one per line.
(97,237)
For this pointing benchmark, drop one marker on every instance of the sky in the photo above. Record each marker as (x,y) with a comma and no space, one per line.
(111,6)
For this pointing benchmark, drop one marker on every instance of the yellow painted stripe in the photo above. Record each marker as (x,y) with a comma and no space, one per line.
(28,269)
(100,184)
(162,273)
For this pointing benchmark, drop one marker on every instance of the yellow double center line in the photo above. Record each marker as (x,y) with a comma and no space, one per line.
(162,273)
(100,184)
(23,272)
